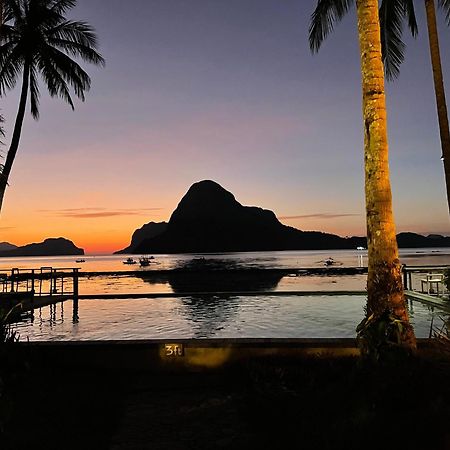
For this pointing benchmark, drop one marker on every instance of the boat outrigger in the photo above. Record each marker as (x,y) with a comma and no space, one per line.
(145,260)
(129,261)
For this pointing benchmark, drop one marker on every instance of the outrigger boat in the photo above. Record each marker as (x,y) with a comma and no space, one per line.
(145,260)
(129,261)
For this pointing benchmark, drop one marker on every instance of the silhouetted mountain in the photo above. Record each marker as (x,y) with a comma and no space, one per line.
(4,246)
(147,231)
(414,240)
(209,219)
(50,247)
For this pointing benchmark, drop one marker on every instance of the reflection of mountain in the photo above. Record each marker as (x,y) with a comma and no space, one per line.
(208,314)
(223,281)
(214,275)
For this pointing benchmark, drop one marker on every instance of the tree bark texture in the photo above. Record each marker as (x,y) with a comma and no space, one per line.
(439,91)
(384,281)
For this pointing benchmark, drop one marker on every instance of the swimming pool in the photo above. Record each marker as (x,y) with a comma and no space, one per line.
(307,316)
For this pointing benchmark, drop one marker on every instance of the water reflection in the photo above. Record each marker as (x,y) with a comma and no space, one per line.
(209,313)
(213,275)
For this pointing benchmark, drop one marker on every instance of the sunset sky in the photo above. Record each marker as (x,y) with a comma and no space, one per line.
(228,91)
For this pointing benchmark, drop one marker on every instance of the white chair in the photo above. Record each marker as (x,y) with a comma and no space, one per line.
(436,279)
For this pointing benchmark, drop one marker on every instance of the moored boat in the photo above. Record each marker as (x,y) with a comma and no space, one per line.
(129,261)
(145,261)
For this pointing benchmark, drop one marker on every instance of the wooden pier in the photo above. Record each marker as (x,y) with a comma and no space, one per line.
(37,288)
(47,286)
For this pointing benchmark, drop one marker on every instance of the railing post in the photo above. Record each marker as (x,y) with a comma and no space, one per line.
(53,281)
(75,284)
(75,296)
(32,280)
(405,277)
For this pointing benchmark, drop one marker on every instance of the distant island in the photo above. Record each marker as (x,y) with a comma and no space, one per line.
(210,219)
(4,246)
(49,247)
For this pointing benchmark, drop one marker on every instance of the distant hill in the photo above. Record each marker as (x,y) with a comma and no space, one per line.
(414,240)
(50,247)
(209,219)
(147,231)
(7,246)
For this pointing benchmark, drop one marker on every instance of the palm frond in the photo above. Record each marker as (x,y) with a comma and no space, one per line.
(61,6)
(56,85)
(445,5)
(11,65)
(12,10)
(326,14)
(34,92)
(391,14)
(38,31)
(71,71)
(78,39)
(411,16)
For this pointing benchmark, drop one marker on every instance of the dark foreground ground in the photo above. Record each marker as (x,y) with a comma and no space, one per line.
(303,404)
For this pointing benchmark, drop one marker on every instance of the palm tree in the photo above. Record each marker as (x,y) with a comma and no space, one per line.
(385,294)
(393,12)
(37,39)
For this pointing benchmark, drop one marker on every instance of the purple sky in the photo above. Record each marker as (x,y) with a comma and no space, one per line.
(229,91)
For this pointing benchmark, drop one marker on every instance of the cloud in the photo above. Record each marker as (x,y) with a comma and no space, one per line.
(6,228)
(318,216)
(94,213)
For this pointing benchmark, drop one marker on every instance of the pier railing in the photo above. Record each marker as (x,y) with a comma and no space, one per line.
(45,281)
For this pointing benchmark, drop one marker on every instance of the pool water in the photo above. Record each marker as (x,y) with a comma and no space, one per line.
(308,316)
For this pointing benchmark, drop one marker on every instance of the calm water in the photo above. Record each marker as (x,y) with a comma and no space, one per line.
(232,317)
(285,259)
(262,316)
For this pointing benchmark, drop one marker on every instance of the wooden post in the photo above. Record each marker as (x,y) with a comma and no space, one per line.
(53,281)
(405,277)
(75,296)
(75,283)
(32,280)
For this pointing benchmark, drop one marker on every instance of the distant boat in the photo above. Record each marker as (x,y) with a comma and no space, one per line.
(129,261)
(360,248)
(329,262)
(80,260)
(144,261)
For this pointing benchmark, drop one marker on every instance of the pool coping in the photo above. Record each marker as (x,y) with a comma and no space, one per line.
(185,355)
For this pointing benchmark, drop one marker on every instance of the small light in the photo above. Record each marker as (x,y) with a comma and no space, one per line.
(442,158)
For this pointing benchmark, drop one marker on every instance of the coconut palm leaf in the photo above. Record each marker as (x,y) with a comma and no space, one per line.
(392,15)
(37,42)
(445,5)
(326,14)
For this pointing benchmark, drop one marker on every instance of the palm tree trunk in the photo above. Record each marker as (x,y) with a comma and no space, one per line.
(4,175)
(384,281)
(439,91)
